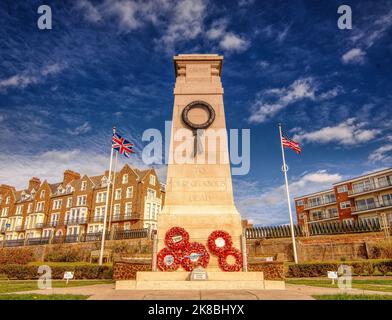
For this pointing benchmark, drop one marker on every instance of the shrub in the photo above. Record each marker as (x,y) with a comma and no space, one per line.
(61,254)
(16,255)
(384,267)
(30,272)
(358,268)
(383,249)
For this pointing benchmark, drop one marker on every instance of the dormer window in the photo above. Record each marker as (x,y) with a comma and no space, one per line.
(104,181)
(1,199)
(7,200)
(83,186)
(42,194)
(69,189)
(152,180)
(125,178)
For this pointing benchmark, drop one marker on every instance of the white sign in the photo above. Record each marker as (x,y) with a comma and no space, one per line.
(68,275)
(177,239)
(220,242)
(332,274)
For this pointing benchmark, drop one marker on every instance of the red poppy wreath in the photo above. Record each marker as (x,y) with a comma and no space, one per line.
(167,260)
(195,255)
(219,241)
(177,238)
(225,266)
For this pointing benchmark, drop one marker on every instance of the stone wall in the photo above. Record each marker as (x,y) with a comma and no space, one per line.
(317,248)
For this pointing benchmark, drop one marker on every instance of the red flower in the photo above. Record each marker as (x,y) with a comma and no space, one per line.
(222,259)
(167,260)
(195,255)
(177,238)
(225,239)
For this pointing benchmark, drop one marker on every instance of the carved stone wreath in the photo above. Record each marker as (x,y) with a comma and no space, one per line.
(198,104)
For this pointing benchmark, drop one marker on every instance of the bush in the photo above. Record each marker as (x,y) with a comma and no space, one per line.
(383,249)
(16,255)
(384,267)
(61,254)
(30,272)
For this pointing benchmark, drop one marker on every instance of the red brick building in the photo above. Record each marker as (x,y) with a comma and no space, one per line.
(75,206)
(363,197)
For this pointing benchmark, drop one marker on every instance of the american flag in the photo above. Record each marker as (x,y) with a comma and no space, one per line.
(288,143)
(122,145)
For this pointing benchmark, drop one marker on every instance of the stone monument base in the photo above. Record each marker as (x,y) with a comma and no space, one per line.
(216,281)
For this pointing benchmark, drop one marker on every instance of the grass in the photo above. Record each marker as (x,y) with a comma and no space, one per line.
(27,285)
(371,284)
(42,297)
(353,297)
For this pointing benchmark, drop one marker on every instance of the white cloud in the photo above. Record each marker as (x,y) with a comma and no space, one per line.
(233,42)
(353,56)
(29,77)
(269,207)
(382,154)
(282,97)
(91,13)
(82,129)
(346,133)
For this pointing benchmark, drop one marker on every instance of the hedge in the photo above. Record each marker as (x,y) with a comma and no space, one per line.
(359,268)
(16,255)
(30,272)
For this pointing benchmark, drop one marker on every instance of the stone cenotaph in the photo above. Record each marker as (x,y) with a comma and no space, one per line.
(199,227)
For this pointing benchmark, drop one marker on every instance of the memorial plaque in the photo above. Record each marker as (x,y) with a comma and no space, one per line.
(199,274)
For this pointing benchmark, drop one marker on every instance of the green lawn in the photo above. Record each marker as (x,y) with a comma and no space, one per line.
(26,285)
(371,284)
(353,297)
(42,297)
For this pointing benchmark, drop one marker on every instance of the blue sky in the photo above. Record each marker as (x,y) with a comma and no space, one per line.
(109,62)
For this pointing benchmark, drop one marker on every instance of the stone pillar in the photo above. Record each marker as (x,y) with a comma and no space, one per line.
(244,253)
(154,251)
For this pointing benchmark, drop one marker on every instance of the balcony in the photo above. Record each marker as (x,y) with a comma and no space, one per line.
(325,215)
(69,222)
(320,203)
(18,228)
(52,224)
(35,226)
(96,219)
(122,217)
(370,188)
(376,205)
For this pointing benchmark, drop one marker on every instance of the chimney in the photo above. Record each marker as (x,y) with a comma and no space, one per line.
(69,176)
(34,183)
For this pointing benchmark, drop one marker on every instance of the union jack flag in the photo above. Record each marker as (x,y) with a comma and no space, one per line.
(122,145)
(288,143)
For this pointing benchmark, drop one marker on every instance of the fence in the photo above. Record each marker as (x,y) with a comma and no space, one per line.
(315,229)
(86,237)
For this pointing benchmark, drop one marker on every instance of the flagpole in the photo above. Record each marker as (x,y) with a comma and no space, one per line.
(284,169)
(113,192)
(106,204)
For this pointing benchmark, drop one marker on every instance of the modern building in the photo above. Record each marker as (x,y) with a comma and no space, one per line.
(363,197)
(76,205)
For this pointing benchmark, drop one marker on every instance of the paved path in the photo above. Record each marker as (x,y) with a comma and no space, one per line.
(107,292)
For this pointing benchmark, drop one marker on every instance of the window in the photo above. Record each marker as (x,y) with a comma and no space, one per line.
(82,200)
(30,208)
(148,210)
(4,212)
(84,186)
(152,180)
(69,189)
(385,181)
(333,213)
(101,197)
(1,199)
(129,192)
(117,195)
(19,209)
(345,205)
(7,200)
(57,204)
(153,213)
(128,209)
(315,201)
(317,215)
(127,226)
(42,194)
(329,198)
(54,219)
(69,202)
(300,203)
(125,178)
(40,206)
(387,199)
(104,181)
(151,193)
(362,186)
(117,208)
(365,204)
(99,212)
(342,189)
(77,214)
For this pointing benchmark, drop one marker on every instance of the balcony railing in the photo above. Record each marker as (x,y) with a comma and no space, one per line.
(96,219)
(68,222)
(18,228)
(320,203)
(369,187)
(121,217)
(325,216)
(52,224)
(373,206)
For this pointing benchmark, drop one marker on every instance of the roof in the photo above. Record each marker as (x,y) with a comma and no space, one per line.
(314,194)
(370,174)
